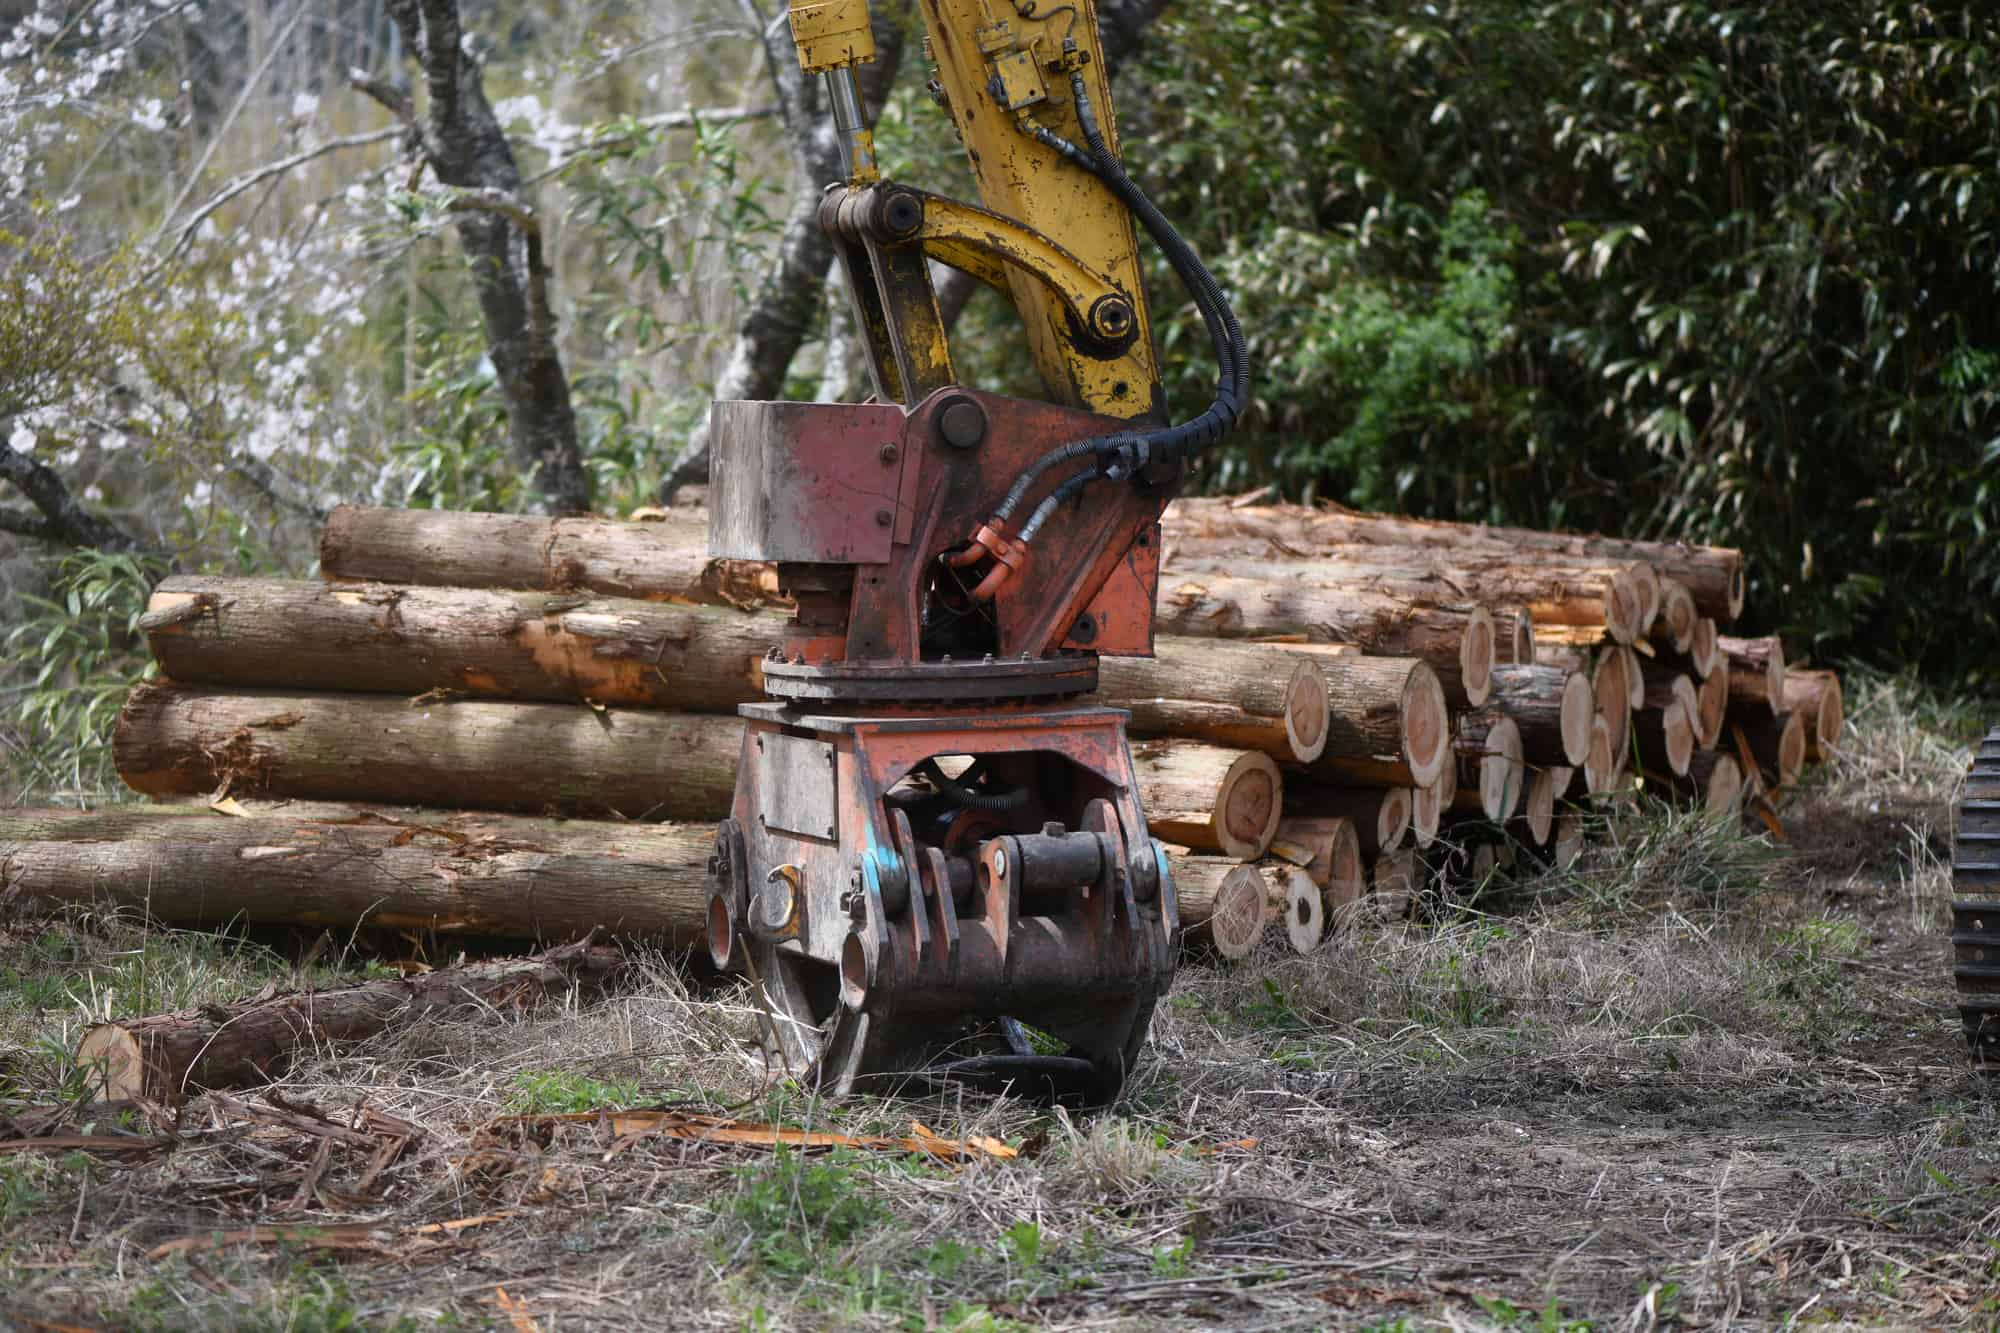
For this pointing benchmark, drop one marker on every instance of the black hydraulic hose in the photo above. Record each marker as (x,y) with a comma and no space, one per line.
(1130,450)
(970,797)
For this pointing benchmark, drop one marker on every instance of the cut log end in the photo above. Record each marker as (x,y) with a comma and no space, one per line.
(1579,706)
(1248,806)
(1514,636)
(1476,656)
(1600,766)
(1568,845)
(1539,810)
(1792,748)
(1306,712)
(1705,648)
(1722,792)
(1392,818)
(1711,707)
(1677,734)
(1673,628)
(1614,700)
(1624,602)
(1651,596)
(1223,904)
(1427,722)
(1501,771)
(1298,898)
(118,1068)
(1635,678)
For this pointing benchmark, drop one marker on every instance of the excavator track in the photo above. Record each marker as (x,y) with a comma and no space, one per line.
(1975,909)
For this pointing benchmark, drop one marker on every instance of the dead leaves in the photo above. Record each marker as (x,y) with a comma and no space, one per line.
(491,1147)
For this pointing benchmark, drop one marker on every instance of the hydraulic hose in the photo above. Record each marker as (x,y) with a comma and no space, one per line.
(1125,452)
(971,798)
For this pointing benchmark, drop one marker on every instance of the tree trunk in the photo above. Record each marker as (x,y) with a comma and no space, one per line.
(1221,902)
(1552,594)
(344,867)
(1756,672)
(1816,695)
(1208,798)
(1491,776)
(465,145)
(183,740)
(1713,574)
(290,635)
(1226,606)
(162,1057)
(1245,696)
(665,561)
(1380,816)
(1552,706)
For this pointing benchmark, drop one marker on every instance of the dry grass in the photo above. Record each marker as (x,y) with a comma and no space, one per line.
(1697,1080)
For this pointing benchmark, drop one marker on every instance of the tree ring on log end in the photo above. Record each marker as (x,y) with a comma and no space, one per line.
(1475,656)
(1249,805)
(1306,712)
(1427,722)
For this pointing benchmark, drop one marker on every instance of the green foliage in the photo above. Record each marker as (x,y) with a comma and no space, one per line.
(76,654)
(802,1214)
(562,1092)
(1675,269)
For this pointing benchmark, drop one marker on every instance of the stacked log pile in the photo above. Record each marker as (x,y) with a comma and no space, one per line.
(505,725)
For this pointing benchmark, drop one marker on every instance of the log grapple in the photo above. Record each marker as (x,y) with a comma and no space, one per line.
(936,864)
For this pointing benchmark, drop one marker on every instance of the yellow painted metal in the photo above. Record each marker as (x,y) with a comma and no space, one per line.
(972,238)
(832,34)
(973,41)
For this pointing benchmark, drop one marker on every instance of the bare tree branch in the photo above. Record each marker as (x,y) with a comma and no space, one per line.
(467,149)
(61,518)
(251,179)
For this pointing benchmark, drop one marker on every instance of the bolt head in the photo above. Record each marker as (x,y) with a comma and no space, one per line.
(883,518)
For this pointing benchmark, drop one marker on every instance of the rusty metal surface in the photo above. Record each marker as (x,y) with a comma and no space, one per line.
(1975,911)
(920,682)
(797,482)
(796,775)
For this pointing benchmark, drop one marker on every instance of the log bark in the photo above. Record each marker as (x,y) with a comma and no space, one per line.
(1756,672)
(164,1057)
(1209,798)
(1456,641)
(185,740)
(1380,815)
(1552,592)
(1334,849)
(1246,696)
(656,561)
(486,643)
(1552,706)
(1777,744)
(1385,717)
(343,867)
(1221,904)
(1713,574)
(1816,695)
(1491,775)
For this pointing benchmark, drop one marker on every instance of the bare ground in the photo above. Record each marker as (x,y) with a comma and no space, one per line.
(1699,1080)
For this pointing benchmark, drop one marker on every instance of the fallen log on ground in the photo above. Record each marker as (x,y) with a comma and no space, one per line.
(665,560)
(343,867)
(1714,575)
(164,1057)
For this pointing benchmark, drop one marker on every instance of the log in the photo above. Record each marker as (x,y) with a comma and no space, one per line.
(1705,649)
(1778,745)
(1673,628)
(1429,804)
(1209,798)
(1665,736)
(1491,774)
(1609,684)
(1715,779)
(1387,723)
(1334,849)
(487,643)
(1552,706)
(1294,900)
(1244,696)
(1567,845)
(1756,672)
(1816,695)
(184,740)
(1456,641)
(1546,786)
(1380,816)
(1221,903)
(1513,636)
(1714,575)
(665,560)
(1711,707)
(1604,763)
(1551,592)
(343,867)
(164,1057)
